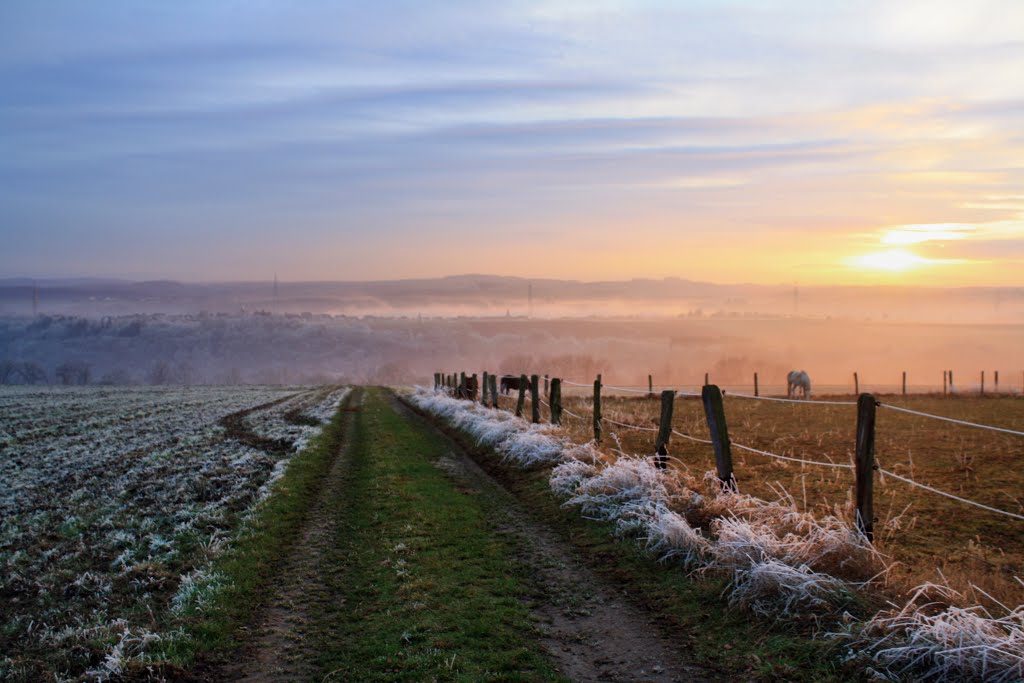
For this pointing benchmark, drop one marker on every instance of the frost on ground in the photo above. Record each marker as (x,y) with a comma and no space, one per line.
(781,562)
(112,505)
(930,640)
(298,419)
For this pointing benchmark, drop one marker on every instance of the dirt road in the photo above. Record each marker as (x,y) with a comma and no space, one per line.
(415,564)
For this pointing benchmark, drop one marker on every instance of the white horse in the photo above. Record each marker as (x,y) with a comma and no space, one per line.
(798,379)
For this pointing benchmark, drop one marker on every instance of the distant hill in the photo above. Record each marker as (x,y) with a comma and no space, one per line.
(490,295)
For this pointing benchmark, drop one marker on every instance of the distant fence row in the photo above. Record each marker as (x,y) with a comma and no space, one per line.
(493,387)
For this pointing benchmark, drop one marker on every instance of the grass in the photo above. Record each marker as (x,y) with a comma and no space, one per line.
(691,607)
(428,590)
(247,567)
(926,537)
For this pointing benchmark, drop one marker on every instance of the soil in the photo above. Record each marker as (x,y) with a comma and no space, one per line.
(278,646)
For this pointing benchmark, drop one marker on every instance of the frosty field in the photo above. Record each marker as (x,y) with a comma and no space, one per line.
(114,501)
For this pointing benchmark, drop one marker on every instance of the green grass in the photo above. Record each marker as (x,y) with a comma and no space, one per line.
(426,590)
(249,565)
(730,641)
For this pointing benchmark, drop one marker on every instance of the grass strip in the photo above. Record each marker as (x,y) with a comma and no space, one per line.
(249,564)
(731,641)
(427,591)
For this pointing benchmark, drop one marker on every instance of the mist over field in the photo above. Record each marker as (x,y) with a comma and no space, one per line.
(114,332)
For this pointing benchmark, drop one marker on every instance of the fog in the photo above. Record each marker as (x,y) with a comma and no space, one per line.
(156,333)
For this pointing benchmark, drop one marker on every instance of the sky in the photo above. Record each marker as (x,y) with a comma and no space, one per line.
(767,142)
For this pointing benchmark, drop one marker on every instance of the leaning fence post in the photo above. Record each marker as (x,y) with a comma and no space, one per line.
(547,389)
(664,429)
(714,411)
(755,385)
(522,396)
(856,384)
(494,391)
(865,465)
(556,400)
(597,409)
(535,399)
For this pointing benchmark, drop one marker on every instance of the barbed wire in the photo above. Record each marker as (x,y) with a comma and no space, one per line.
(786,457)
(949,495)
(953,420)
(572,414)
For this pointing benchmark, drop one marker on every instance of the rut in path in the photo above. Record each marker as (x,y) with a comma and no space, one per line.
(278,647)
(585,626)
(589,629)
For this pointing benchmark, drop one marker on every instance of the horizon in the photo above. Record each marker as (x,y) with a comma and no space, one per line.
(113,279)
(717,142)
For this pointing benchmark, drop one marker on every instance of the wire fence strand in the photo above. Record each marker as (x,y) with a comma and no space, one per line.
(949,495)
(953,420)
(786,457)
(792,400)
(628,426)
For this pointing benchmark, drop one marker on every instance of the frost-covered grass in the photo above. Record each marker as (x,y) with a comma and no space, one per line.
(929,640)
(781,562)
(113,503)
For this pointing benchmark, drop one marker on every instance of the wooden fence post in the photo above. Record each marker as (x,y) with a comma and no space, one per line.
(904,383)
(463,389)
(755,385)
(474,388)
(547,388)
(714,411)
(522,396)
(995,389)
(856,384)
(556,401)
(705,379)
(943,382)
(951,389)
(664,429)
(865,465)
(650,386)
(484,388)
(494,391)
(982,393)
(534,399)
(597,409)
(437,380)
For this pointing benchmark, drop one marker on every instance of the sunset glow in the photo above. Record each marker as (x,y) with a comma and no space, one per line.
(727,142)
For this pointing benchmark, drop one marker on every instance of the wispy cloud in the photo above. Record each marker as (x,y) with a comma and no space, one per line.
(822,132)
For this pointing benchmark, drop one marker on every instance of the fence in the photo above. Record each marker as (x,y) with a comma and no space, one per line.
(863,468)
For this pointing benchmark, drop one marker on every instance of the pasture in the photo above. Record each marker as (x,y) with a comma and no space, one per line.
(926,537)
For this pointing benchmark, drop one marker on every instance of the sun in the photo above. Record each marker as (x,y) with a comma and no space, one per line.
(890,260)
